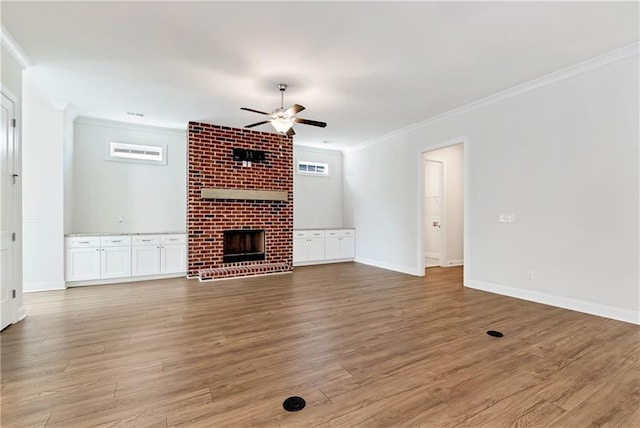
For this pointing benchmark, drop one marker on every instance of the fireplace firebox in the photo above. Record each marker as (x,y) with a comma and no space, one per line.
(243,245)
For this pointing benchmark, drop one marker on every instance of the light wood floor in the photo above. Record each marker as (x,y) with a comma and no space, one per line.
(364,347)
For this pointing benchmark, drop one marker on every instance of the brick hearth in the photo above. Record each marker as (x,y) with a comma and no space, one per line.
(211,165)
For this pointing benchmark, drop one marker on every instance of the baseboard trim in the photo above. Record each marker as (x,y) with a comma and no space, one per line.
(389,266)
(619,314)
(125,279)
(452,263)
(35,287)
(432,254)
(21,314)
(321,262)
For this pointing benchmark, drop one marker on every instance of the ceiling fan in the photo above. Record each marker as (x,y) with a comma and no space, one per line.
(282,120)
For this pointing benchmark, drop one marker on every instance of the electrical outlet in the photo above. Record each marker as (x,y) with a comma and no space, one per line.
(31,219)
(529,274)
(507,218)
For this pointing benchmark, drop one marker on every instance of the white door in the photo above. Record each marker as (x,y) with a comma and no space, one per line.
(145,260)
(300,250)
(83,264)
(115,262)
(7,222)
(174,258)
(347,247)
(332,246)
(433,212)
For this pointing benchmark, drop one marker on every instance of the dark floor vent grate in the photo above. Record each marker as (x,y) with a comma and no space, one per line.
(294,404)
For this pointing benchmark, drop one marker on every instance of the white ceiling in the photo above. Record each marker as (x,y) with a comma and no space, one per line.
(366,68)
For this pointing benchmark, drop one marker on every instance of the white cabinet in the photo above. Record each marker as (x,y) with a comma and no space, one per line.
(173,254)
(83,258)
(145,255)
(96,258)
(300,247)
(347,244)
(323,246)
(159,254)
(115,256)
(308,246)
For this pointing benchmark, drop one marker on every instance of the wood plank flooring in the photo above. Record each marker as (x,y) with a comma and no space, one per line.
(364,346)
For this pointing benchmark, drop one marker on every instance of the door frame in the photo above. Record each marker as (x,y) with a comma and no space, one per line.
(442,245)
(422,150)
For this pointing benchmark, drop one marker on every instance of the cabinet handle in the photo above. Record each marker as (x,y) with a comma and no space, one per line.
(97,249)
(116,241)
(84,242)
(146,240)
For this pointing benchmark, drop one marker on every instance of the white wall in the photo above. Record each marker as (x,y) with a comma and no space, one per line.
(153,197)
(67,164)
(43,194)
(317,201)
(453,200)
(11,80)
(563,157)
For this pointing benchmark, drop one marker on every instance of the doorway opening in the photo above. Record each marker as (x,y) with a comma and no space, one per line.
(442,216)
(433,242)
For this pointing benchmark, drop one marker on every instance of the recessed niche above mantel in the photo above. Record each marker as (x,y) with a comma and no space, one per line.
(247,195)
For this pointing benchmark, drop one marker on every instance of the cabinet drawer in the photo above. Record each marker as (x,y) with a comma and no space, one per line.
(174,239)
(115,241)
(83,241)
(332,233)
(299,234)
(347,232)
(316,233)
(146,240)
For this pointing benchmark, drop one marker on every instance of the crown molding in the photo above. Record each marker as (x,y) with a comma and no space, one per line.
(130,126)
(546,80)
(316,149)
(14,49)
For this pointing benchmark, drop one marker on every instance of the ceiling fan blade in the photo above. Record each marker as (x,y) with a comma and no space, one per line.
(255,111)
(257,123)
(309,122)
(296,108)
(290,132)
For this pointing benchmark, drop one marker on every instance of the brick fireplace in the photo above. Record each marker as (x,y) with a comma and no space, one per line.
(246,204)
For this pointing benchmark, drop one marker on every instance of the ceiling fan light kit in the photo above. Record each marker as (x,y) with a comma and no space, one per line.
(282,120)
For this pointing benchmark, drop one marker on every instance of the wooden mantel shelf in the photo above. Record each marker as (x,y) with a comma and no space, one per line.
(250,195)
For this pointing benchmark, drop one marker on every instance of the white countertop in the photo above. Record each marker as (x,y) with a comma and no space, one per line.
(326,228)
(70,235)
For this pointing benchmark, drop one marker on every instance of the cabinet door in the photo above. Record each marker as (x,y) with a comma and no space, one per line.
(300,250)
(145,260)
(347,247)
(173,258)
(316,249)
(332,248)
(115,262)
(83,264)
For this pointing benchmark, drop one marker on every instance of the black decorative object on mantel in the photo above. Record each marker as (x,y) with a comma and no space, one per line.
(248,155)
